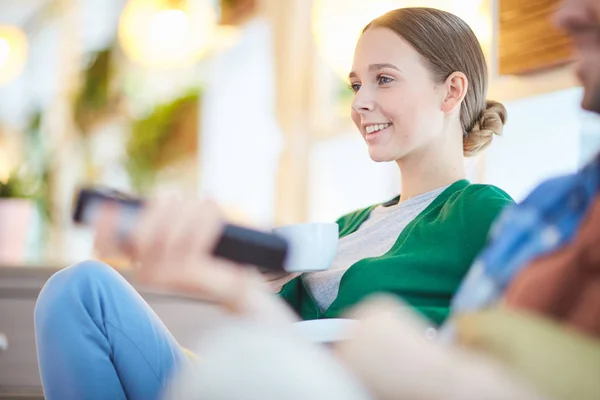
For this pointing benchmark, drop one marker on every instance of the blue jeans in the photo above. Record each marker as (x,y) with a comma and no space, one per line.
(98,339)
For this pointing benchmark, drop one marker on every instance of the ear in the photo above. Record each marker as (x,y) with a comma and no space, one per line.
(456,86)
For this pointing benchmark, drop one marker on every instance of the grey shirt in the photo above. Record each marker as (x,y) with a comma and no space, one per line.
(374,237)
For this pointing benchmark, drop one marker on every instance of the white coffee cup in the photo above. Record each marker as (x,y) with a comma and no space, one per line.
(312,246)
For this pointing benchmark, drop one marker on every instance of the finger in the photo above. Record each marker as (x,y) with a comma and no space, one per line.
(186,247)
(105,226)
(181,263)
(170,237)
(380,305)
(274,276)
(211,226)
(195,234)
(183,231)
(277,284)
(215,277)
(148,236)
(585,314)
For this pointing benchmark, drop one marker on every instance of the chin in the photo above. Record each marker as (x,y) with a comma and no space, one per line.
(591,99)
(381,157)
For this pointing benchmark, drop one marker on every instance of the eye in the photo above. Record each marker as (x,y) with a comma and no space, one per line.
(382,80)
(355,87)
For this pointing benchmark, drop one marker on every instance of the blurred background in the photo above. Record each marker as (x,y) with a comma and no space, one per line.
(242,100)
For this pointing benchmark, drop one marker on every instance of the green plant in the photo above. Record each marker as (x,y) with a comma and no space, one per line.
(96,98)
(154,143)
(23,184)
(32,179)
(11,188)
(20,184)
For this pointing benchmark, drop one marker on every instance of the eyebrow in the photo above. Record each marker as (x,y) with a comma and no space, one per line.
(376,67)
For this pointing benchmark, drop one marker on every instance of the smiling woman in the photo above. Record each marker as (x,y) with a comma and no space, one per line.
(423,106)
(463,78)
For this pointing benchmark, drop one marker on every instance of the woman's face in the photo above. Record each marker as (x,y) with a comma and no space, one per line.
(397,106)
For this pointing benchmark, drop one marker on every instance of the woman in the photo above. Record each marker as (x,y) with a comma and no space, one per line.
(420,103)
(420,80)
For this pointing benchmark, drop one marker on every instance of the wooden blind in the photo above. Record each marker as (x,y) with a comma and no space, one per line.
(235,12)
(528,40)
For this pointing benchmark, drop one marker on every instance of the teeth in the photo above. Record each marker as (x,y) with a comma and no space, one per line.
(375,128)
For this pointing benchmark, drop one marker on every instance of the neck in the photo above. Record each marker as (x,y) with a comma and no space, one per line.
(429,170)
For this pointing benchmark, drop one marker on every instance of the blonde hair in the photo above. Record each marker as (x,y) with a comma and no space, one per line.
(424,29)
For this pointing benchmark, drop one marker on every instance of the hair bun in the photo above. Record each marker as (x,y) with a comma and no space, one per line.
(491,122)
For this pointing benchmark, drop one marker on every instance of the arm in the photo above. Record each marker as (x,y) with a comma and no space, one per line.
(174,255)
(390,354)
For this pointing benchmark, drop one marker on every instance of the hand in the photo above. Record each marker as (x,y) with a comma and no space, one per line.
(390,354)
(532,345)
(108,247)
(172,246)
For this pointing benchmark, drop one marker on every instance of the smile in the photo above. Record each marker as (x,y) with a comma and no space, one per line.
(376,127)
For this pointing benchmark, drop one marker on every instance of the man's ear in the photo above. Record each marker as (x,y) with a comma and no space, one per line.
(456,86)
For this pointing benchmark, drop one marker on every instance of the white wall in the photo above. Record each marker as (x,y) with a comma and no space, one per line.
(241,141)
(540,140)
(543,138)
(342,178)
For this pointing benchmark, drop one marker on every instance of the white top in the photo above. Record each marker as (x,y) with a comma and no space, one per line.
(374,238)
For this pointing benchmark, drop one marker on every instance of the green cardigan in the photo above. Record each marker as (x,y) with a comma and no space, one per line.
(427,262)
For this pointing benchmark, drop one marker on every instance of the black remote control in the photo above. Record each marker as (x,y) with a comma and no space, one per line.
(245,246)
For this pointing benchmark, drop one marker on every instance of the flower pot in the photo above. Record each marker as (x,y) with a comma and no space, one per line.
(18,229)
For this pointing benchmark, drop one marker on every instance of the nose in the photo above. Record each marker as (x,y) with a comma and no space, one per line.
(363,101)
(571,14)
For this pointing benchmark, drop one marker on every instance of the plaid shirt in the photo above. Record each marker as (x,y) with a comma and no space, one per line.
(545,221)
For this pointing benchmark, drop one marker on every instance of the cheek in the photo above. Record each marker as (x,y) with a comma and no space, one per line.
(403,110)
(403,102)
(393,106)
(415,117)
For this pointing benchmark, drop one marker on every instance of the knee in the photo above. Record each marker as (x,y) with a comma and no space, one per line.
(67,286)
(85,271)
(78,275)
